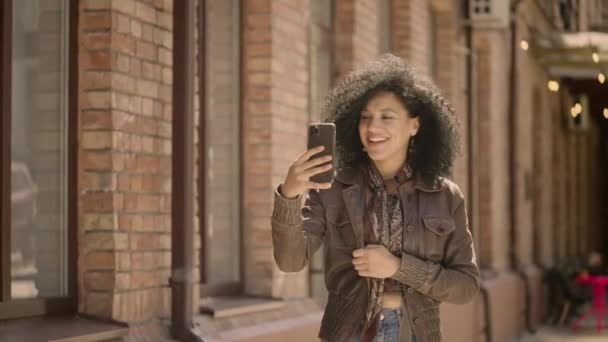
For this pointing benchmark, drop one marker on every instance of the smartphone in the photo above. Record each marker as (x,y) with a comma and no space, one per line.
(323,134)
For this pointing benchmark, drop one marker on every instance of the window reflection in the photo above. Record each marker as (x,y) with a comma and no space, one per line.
(222,224)
(39,148)
(24,207)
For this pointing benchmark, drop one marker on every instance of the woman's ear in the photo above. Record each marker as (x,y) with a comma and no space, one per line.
(416,126)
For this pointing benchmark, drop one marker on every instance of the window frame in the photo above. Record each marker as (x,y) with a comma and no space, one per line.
(20,308)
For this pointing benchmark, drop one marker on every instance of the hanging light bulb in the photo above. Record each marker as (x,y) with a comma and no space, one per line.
(573,112)
(601,77)
(606,113)
(579,108)
(524,45)
(596,57)
(553,85)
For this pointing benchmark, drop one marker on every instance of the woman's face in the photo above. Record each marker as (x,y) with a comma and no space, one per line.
(385,128)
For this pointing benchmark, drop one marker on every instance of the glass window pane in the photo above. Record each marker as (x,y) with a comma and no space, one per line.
(320,73)
(320,54)
(384,24)
(222,128)
(39,149)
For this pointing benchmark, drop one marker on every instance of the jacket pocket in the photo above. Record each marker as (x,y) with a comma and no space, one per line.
(341,229)
(436,234)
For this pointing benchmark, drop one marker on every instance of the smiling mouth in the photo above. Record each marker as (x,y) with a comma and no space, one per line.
(376,141)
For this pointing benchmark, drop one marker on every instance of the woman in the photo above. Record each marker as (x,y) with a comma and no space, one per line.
(395,230)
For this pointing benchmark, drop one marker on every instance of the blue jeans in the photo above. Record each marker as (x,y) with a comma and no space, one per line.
(388,327)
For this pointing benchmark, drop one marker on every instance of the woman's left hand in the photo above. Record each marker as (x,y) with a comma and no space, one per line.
(375,261)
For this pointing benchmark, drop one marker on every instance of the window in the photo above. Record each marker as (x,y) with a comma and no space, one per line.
(568,15)
(384,25)
(321,54)
(321,71)
(37,265)
(220,140)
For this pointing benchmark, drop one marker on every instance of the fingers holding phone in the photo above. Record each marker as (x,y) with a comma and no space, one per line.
(314,168)
(298,178)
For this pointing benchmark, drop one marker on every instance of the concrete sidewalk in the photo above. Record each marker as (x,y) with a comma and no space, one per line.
(562,334)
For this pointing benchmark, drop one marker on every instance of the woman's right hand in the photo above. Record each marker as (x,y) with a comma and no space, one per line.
(298,178)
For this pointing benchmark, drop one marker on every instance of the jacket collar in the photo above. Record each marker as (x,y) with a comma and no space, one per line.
(354,175)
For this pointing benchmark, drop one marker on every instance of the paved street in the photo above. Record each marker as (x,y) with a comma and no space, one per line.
(553,334)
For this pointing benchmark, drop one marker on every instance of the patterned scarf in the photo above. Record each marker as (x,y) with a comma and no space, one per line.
(386,219)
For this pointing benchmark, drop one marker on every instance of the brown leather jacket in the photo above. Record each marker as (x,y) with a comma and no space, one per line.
(438,262)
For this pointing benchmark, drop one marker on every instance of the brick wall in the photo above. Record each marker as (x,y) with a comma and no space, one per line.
(535,113)
(450,78)
(290,109)
(124,176)
(492,162)
(124,171)
(434,47)
(256,128)
(366,34)
(485,192)
(411,32)
(344,27)
(356,33)
(523,153)
(275,112)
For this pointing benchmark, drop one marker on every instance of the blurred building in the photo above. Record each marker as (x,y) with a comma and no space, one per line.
(95,181)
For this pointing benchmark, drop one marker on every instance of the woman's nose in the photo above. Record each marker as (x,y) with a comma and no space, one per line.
(373,124)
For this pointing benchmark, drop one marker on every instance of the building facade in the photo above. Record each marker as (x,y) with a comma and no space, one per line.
(93,234)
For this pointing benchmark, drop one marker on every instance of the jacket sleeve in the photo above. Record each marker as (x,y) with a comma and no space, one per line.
(456,279)
(297,232)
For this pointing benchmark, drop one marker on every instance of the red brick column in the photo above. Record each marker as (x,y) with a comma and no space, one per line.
(344,27)
(356,33)
(124,176)
(451,79)
(410,28)
(483,163)
(275,115)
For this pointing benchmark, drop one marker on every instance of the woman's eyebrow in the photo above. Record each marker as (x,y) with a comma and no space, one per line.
(387,109)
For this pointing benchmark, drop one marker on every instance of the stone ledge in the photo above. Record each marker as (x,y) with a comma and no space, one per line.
(60,329)
(223,307)
(297,317)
